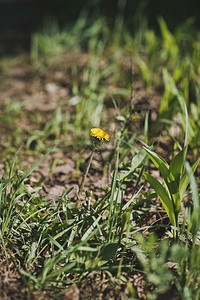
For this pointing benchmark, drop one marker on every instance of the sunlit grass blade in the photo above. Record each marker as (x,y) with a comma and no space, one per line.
(164,169)
(194,225)
(160,163)
(163,196)
(91,228)
(112,201)
(177,164)
(137,160)
(36,164)
(186,179)
(58,272)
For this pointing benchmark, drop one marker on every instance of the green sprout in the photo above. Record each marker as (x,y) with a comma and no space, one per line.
(175,182)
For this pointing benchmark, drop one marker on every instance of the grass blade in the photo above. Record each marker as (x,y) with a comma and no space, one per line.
(163,196)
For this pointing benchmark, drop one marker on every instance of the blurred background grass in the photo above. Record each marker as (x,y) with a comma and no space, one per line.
(19,19)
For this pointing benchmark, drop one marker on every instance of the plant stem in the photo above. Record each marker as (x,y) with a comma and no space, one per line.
(86,172)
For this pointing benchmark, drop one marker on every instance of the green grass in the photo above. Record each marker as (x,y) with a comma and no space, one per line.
(122,232)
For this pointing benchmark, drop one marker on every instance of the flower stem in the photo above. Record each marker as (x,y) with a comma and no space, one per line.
(86,172)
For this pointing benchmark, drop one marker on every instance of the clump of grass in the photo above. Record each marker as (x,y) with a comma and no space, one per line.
(175,183)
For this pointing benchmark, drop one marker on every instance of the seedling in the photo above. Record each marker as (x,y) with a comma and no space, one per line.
(175,182)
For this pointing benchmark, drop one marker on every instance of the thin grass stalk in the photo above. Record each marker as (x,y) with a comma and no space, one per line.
(86,172)
(114,181)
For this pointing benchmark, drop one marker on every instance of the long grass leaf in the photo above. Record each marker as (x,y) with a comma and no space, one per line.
(36,164)
(177,164)
(186,179)
(159,162)
(137,160)
(163,196)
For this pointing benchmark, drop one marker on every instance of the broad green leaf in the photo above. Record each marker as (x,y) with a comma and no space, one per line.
(160,163)
(177,202)
(136,162)
(163,167)
(138,159)
(108,252)
(163,196)
(186,179)
(177,164)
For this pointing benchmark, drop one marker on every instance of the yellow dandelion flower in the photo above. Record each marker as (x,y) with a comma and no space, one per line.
(100,134)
